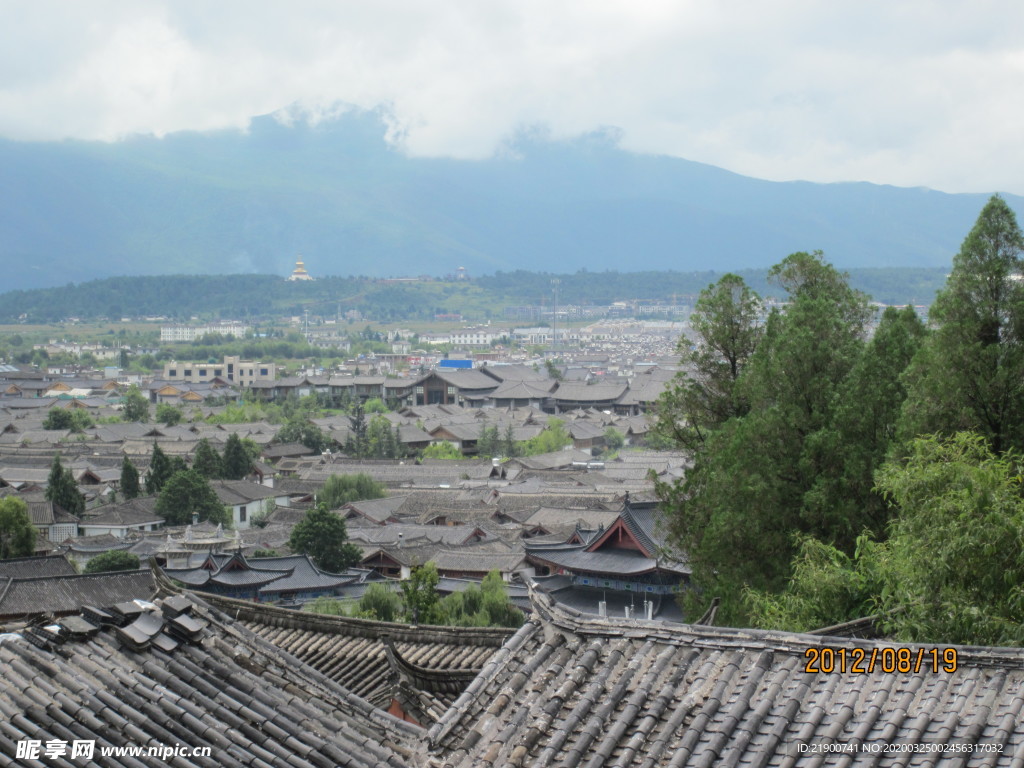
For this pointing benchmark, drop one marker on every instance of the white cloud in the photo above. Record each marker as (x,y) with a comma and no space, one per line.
(907,93)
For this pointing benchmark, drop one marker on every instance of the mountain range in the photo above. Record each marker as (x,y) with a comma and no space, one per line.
(352,204)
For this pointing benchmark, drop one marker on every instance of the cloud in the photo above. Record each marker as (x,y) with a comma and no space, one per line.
(908,93)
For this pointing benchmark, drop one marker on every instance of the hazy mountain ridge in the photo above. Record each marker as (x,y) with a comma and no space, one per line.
(337,194)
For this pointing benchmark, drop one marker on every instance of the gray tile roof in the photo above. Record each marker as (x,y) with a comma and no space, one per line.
(569,690)
(352,652)
(248,701)
(67,594)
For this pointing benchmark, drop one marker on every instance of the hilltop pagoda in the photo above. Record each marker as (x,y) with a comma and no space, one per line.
(300,273)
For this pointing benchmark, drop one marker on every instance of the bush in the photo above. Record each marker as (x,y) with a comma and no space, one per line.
(118,560)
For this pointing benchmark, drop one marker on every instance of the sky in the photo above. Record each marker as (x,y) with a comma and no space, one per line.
(907,93)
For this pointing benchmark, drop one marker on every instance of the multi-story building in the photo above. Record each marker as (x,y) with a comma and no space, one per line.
(180,333)
(234,370)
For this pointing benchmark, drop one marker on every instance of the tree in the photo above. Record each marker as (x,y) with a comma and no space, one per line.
(339,490)
(379,602)
(485,606)
(187,494)
(862,433)
(970,373)
(136,405)
(207,462)
(737,511)
(355,446)
(237,461)
(116,560)
(323,536)
(442,450)
(489,442)
(159,472)
(17,534)
(382,439)
(420,598)
(129,480)
(57,418)
(62,489)
(951,571)
(300,430)
(613,439)
(74,419)
(168,414)
(726,329)
(555,437)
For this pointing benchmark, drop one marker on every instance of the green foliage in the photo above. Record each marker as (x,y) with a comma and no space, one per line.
(356,444)
(489,442)
(17,534)
(955,566)
(375,405)
(75,419)
(862,432)
(136,405)
(260,519)
(421,603)
(952,569)
(442,450)
(485,606)
(187,493)
(116,560)
(382,439)
(300,430)
(237,460)
(553,370)
(555,437)
(207,461)
(323,536)
(62,489)
(726,329)
(168,414)
(613,439)
(129,480)
(258,553)
(749,493)
(379,602)
(159,472)
(827,587)
(339,490)
(970,373)
(325,606)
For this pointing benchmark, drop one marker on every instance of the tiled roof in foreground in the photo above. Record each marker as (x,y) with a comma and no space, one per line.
(222,687)
(569,690)
(354,652)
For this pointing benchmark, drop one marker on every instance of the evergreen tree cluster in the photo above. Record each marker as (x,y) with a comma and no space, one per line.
(805,422)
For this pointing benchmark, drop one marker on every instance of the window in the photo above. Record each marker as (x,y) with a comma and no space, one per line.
(172,372)
(202,371)
(188,371)
(264,371)
(218,371)
(241,514)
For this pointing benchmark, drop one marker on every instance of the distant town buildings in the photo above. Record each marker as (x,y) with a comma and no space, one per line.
(186,333)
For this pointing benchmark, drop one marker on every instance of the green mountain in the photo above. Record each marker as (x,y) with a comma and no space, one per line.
(232,202)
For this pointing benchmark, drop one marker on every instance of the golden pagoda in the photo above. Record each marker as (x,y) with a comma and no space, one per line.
(300,273)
